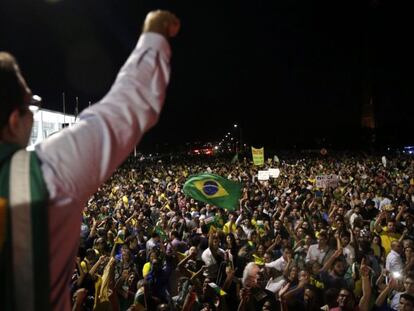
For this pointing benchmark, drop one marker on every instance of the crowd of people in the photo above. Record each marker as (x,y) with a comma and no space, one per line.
(289,245)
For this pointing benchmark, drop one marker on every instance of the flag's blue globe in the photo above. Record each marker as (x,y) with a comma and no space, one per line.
(210,187)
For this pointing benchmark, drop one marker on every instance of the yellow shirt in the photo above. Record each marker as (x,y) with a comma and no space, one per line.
(146,269)
(227,229)
(387,238)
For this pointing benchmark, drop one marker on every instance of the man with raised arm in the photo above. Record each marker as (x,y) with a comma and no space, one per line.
(42,193)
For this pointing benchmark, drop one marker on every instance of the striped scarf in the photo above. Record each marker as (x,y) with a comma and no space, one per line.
(24,248)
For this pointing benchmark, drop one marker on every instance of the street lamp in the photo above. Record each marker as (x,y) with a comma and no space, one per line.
(238,128)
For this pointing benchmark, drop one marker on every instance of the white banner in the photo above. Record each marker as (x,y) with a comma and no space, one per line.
(263,175)
(274,172)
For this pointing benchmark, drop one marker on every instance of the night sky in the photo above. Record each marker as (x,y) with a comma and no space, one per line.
(287,71)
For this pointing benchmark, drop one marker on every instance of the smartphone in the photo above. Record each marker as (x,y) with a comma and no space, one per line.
(396,275)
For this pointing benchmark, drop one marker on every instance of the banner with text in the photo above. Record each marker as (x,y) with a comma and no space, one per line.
(327,181)
(258,156)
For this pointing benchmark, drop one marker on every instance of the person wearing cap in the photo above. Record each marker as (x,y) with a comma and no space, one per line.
(43,192)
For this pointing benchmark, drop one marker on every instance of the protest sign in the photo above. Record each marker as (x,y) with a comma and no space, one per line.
(263,175)
(274,172)
(327,181)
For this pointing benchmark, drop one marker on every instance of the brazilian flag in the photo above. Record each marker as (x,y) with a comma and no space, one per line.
(214,190)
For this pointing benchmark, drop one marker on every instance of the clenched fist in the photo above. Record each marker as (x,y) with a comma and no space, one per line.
(162,22)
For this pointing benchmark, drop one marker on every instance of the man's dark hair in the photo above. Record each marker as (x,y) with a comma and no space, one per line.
(204,229)
(351,293)
(323,235)
(90,254)
(175,234)
(331,295)
(11,91)
(338,259)
(408,297)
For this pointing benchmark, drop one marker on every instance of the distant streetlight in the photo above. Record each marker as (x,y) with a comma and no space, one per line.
(238,145)
(228,133)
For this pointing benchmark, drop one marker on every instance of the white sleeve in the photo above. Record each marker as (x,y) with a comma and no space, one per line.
(77,160)
(239,219)
(389,262)
(393,263)
(272,264)
(309,254)
(207,258)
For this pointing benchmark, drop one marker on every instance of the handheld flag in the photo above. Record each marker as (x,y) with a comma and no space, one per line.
(235,158)
(120,238)
(161,233)
(217,289)
(213,189)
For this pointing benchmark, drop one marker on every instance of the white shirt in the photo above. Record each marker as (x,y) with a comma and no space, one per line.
(278,264)
(316,254)
(275,285)
(150,244)
(354,217)
(394,262)
(211,263)
(77,160)
(349,254)
(395,301)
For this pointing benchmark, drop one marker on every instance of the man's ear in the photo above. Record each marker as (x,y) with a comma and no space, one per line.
(14,123)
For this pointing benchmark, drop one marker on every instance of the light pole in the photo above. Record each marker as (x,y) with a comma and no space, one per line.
(239,140)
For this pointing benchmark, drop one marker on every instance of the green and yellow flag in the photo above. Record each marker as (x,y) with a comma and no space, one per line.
(214,190)
(258,156)
(217,289)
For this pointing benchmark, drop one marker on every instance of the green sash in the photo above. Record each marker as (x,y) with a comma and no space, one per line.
(24,247)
